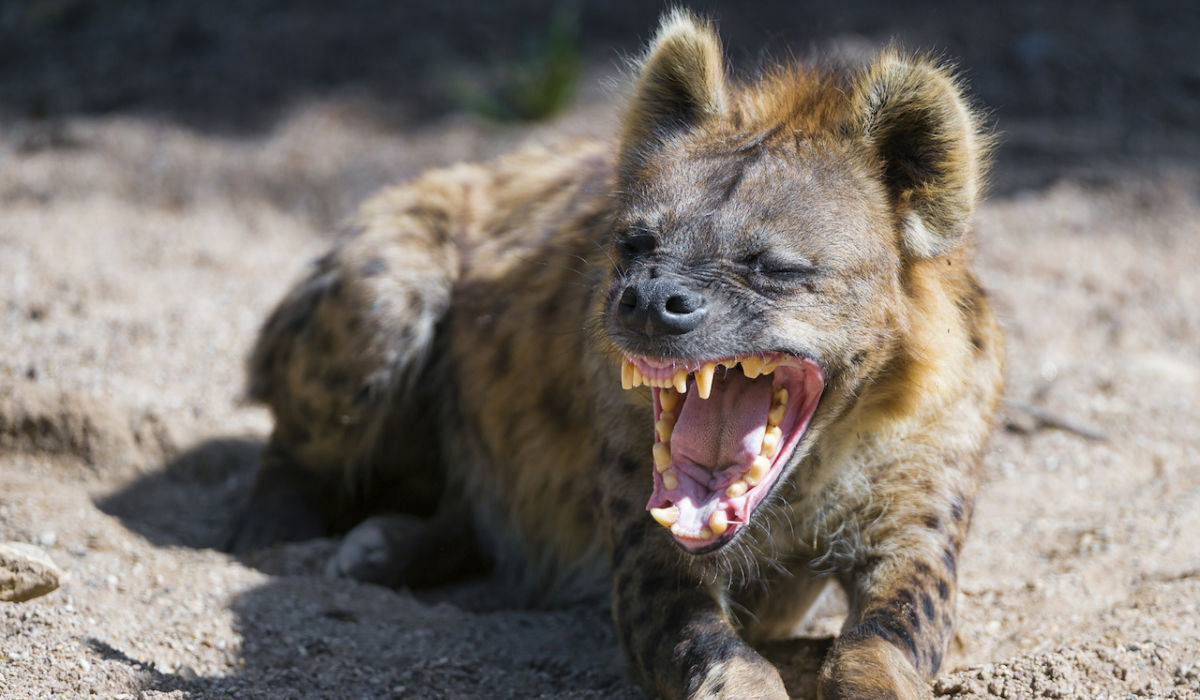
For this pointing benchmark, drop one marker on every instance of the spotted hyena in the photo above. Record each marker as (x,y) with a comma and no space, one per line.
(731,356)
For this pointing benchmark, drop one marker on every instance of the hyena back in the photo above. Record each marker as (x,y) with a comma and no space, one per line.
(728,359)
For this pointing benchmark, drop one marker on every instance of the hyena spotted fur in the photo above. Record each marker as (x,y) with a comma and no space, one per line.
(734,356)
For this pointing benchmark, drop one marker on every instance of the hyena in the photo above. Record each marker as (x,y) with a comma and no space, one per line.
(731,356)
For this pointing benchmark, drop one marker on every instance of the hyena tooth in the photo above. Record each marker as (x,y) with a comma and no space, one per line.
(681,381)
(637,377)
(781,396)
(665,516)
(752,366)
(718,522)
(662,456)
(771,440)
(704,379)
(728,364)
(664,426)
(737,488)
(703,534)
(758,469)
(626,375)
(668,399)
(670,480)
(775,415)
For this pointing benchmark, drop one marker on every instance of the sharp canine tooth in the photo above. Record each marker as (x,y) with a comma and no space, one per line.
(704,379)
(637,377)
(775,415)
(626,375)
(718,522)
(668,399)
(665,516)
(771,441)
(681,381)
(757,470)
(670,480)
(662,456)
(737,488)
(752,366)
(664,426)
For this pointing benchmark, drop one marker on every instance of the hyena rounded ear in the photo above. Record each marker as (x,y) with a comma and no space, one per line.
(680,84)
(912,113)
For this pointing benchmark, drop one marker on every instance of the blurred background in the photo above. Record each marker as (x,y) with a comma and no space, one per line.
(1071,85)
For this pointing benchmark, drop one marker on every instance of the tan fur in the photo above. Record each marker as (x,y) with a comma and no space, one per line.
(459,352)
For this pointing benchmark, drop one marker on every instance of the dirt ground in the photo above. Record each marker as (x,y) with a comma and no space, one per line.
(166,174)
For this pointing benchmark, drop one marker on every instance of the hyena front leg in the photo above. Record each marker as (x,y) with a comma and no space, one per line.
(900,624)
(673,629)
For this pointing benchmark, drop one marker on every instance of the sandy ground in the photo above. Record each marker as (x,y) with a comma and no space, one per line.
(139,251)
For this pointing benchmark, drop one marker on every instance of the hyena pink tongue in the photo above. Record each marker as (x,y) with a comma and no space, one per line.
(726,429)
(714,442)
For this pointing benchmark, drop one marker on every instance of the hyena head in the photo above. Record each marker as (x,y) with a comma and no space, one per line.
(762,237)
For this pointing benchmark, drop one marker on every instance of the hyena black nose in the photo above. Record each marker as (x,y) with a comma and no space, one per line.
(659,306)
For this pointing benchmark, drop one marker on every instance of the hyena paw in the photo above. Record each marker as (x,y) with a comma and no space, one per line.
(378,550)
(868,670)
(741,679)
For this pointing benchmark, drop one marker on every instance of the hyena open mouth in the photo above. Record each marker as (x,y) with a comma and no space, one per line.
(722,437)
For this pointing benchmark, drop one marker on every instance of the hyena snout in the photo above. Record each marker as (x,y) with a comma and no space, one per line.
(660,307)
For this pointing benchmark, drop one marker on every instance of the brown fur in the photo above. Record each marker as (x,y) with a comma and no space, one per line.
(459,350)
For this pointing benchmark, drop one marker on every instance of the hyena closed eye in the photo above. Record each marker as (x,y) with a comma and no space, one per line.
(731,357)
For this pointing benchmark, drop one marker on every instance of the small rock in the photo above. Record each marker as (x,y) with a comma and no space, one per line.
(26,572)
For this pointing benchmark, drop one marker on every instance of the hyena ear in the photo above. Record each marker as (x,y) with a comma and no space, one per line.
(912,114)
(680,84)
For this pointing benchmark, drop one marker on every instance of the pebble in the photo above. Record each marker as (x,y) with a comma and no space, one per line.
(26,572)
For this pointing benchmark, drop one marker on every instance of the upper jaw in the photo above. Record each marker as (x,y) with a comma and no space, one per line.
(704,503)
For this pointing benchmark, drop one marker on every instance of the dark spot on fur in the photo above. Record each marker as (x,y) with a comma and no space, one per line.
(922,569)
(943,589)
(653,644)
(415,300)
(956,508)
(914,620)
(306,411)
(885,627)
(654,584)
(977,340)
(374,267)
(708,647)
(933,522)
(557,406)
(676,615)
(323,342)
(337,380)
(951,560)
(501,359)
(927,606)
(935,661)
(633,535)
(630,466)
(906,597)
(859,358)
(437,219)
(624,581)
